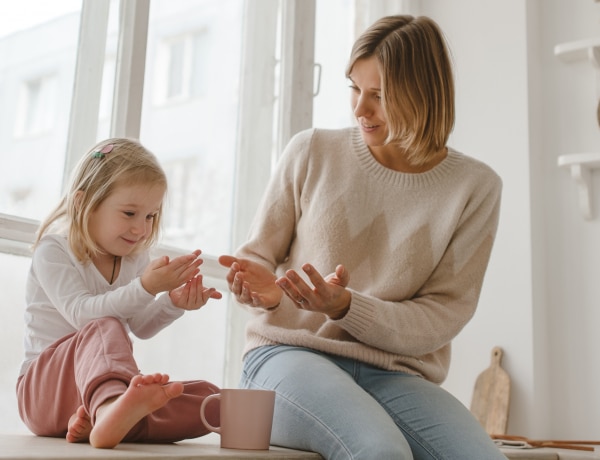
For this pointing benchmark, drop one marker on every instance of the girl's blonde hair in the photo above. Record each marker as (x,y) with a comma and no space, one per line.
(417,85)
(97,175)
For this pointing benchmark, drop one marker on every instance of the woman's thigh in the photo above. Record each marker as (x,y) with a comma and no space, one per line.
(320,408)
(435,423)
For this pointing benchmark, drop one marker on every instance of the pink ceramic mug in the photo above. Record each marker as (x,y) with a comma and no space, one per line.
(246,418)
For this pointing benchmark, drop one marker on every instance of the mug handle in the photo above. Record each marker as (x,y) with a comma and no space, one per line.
(215,429)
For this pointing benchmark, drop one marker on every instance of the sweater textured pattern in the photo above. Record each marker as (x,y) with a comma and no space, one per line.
(416,247)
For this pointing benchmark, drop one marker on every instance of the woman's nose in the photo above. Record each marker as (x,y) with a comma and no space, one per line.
(361,107)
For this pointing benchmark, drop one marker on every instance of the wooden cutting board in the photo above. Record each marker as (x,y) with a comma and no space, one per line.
(491,396)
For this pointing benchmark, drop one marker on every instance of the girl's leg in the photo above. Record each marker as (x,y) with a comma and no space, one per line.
(436,425)
(106,366)
(179,418)
(47,394)
(320,408)
(116,417)
(95,365)
(104,371)
(84,368)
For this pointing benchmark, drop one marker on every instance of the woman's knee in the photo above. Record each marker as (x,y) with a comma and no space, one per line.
(370,445)
(363,444)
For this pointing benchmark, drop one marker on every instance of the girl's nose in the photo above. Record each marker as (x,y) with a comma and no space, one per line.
(139,227)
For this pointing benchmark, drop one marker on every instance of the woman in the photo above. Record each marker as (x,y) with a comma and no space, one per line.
(402,226)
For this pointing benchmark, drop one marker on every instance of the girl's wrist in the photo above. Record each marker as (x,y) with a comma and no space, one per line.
(145,286)
(272,308)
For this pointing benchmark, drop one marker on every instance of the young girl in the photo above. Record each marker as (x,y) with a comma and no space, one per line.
(91,283)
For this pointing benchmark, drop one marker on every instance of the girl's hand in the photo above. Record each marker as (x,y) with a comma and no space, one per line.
(193,295)
(328,295)
(164,275)
(251,283)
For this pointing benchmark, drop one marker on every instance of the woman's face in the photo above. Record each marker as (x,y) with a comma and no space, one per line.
(366,101)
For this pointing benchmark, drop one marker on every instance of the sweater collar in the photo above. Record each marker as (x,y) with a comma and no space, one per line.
(395,178)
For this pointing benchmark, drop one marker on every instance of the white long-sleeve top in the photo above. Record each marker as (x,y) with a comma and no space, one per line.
(416,247)
(63,295)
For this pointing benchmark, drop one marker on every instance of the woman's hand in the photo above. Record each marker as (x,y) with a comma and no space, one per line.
(328,295)
(193,295)
(165,275)
(251,283)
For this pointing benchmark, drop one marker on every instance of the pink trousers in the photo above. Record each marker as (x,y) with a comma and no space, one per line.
(95,364)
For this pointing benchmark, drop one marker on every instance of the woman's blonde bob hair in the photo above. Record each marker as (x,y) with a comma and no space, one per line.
(97,175)
(417,85)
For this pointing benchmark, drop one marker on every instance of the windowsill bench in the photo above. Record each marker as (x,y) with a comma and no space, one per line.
(29,447)
(25,447)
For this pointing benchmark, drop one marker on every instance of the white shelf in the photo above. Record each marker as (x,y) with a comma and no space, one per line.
(581,166)
(578,50)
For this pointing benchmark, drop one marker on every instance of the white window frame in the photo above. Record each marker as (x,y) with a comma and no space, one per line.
(255,135)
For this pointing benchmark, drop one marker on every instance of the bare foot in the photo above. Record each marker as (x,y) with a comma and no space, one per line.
(145,394)
(79,426)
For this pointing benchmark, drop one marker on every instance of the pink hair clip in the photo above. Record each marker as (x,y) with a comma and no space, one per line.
(103,151)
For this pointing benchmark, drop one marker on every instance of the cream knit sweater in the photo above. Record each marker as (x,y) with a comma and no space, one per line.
(416,247)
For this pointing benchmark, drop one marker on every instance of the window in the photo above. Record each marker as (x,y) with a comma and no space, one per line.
(35,95)
(36,106)
(212,110)
(106,94)
(181,67)
(37,63)
(191,124)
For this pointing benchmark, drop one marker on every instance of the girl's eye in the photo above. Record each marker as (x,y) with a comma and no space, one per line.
(150,216)
(129,213)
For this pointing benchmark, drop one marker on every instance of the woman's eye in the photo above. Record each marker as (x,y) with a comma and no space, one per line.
(129,213)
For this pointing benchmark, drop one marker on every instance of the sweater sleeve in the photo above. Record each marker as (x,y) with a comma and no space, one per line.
(70,289)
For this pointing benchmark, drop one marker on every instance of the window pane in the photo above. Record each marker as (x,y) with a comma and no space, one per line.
(200,54)
(189,121)
(38,44)
(333,42)
(195,138)
(12,286)
(175,67)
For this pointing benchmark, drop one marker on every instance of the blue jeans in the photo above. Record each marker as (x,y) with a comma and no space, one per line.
(345,409)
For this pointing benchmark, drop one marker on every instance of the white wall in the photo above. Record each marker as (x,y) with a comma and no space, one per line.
(519,108)
(573,244)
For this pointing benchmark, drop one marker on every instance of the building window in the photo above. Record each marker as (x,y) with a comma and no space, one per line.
(36,106)
(181,67)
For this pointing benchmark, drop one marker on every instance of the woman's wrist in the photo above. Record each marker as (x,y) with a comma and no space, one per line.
(339,314)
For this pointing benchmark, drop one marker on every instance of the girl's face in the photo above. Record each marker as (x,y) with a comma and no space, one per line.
(366,101)
(124,219)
